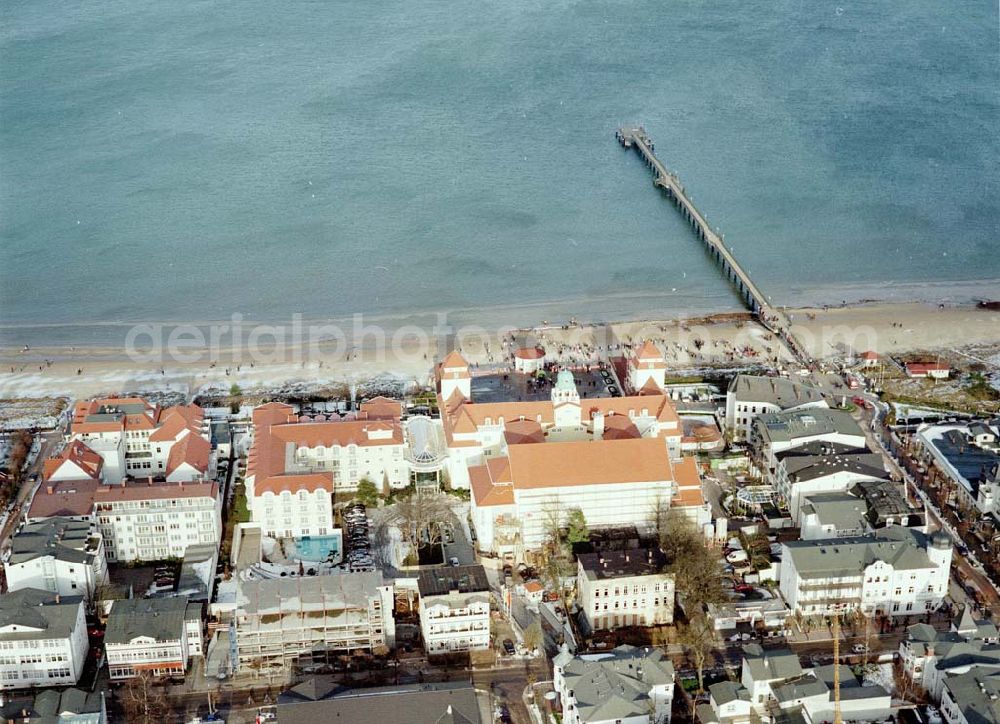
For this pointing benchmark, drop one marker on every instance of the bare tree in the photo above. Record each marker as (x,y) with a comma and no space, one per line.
(697,576)
(143,701)
(699,641)
(421,518)
(533,636)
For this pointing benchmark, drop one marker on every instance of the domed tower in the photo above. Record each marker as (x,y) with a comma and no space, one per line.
(566,400)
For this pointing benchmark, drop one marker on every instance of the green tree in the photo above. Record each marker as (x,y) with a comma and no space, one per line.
(577,531)
(234,390)
(367,493)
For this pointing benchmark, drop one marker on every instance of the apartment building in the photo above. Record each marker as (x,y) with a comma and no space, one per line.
(475,432)
(296,464)
(43,639)
(156,636)
(284,621)
(135,438)
(931,657)
(627,684)
(58,555)
(749,396)
(777,432)
(821,467)
(895,572)
(454,609)
(147,520)
(773,686)
(624,588)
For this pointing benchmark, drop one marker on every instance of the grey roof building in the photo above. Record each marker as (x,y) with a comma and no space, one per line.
(452,579)
(70,706)
(320,703)
(621,564)
(57,554)
(778,391)
(972,698)
(32,614)
(159,618)
(626,682)
(786,427)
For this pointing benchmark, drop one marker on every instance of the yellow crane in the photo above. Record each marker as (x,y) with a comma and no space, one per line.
(836,670)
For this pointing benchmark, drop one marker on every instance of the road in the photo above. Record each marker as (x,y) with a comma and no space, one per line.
(964,567)
(50,440)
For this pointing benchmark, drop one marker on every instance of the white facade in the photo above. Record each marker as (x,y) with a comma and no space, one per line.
(455,622)
(748,397)
(58,562)
(636,686)
(283,622)
(288,515)
(623,588)
(153,522)
(892,574)
(43,640)
(154,636)
(796,492)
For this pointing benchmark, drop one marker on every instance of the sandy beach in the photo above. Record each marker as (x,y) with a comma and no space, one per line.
(728,340)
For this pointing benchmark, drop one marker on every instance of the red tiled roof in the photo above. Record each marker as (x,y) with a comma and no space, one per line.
(530,353)
(192,449)
(521,432)
(148,489)
(68,497)
(491,483)
(78,454)
(588,462)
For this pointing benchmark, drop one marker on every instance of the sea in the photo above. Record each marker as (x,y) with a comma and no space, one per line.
(185,161)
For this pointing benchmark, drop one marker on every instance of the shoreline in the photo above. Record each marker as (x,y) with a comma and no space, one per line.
(721,339)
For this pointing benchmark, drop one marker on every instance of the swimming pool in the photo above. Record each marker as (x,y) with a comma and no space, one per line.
(319,548)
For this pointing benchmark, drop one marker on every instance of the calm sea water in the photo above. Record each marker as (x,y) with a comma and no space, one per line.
(185,160)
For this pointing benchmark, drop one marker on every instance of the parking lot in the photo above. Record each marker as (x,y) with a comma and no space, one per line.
(357,538)
(513,386)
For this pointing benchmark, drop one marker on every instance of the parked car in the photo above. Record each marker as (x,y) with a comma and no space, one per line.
(508,647)
(859,649)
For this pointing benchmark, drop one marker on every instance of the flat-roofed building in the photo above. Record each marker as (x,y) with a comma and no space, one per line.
(624,588)
(318,701)
(454,609)
(59,555)
(285,621)
(43,639)
(817,468)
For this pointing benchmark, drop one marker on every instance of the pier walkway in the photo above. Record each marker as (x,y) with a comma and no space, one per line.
(635,137)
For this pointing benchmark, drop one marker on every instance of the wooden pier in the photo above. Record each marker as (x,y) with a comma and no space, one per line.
(635,137)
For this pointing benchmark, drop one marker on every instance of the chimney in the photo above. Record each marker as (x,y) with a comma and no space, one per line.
(57,598)
(50,488)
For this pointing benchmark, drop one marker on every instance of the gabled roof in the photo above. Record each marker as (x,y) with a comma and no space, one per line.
(588,462)
(80,455)
(193,450)
(176,420)
(491,483)
(453,360)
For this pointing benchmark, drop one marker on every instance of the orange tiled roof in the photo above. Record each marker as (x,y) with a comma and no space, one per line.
(521,432)
(648,352)
(491,483)
(177,419)
(589,463)
(147,489)
(381,408)
(80,455)
(192,449)
(619,427)
(530,353)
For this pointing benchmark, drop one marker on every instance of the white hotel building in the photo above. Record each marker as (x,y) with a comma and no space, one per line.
(153,635)
(475,432)
(297,464)
(43,639)
(897,572)
(454,609)
(58,555)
